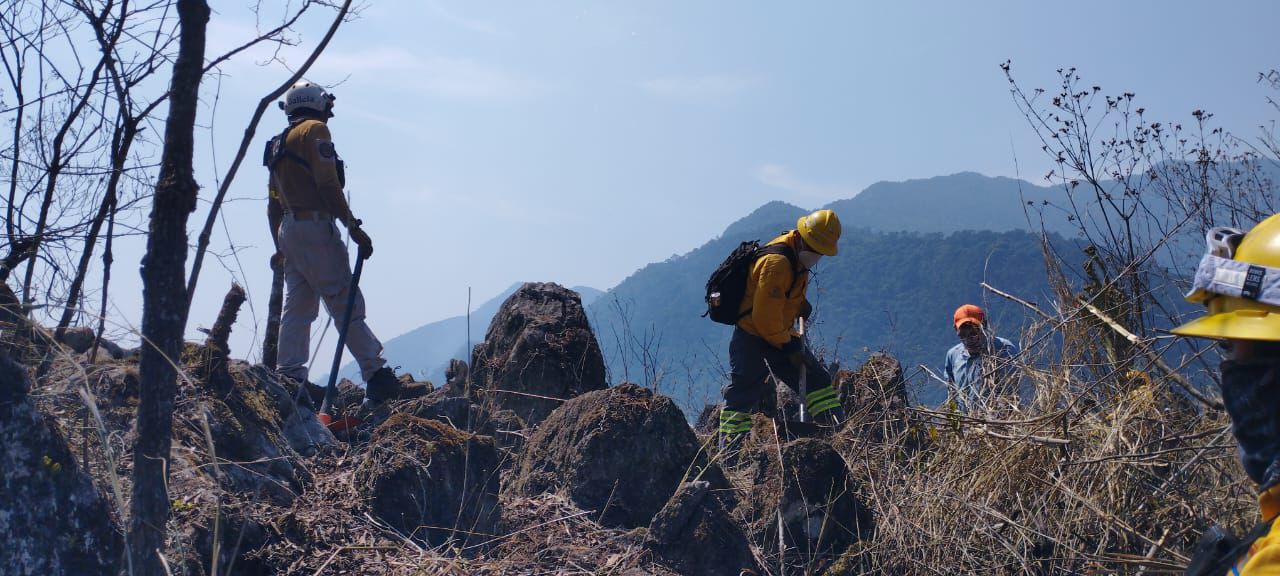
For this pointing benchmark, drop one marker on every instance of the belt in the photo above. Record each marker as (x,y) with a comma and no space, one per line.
(311,215)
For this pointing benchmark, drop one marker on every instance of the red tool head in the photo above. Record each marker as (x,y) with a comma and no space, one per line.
(341,424)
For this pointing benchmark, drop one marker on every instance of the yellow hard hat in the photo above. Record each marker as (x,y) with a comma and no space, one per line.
(821,231)
(1236,317)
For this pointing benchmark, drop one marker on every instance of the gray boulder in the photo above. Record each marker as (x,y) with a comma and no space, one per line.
(52,519)
(694,534)
(620,452)
(810,494)
(80,340)
(504,426)
(538,351)
(431,481)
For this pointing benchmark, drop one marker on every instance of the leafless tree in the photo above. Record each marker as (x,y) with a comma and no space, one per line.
(83,138)
(85,93)
(1139,194)
(164,296)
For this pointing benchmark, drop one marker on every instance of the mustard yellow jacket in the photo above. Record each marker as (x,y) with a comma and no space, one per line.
(1264,556)
(775,295)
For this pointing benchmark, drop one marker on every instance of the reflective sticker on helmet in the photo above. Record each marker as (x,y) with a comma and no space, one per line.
(326,150)
(1233,278)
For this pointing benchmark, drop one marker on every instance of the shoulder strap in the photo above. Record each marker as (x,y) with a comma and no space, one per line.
(784,249)
(284,152)
(1220,556)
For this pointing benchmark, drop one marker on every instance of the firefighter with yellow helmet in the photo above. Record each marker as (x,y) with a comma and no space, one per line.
(1238,282)
(764,341)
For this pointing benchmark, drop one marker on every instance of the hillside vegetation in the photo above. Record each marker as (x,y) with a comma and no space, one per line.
(1096,474)
(892,291)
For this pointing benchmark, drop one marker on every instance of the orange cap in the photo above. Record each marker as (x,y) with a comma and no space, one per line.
(969,313)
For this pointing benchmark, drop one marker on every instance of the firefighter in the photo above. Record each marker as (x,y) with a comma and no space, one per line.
(305,205)
(979,367)
(764,341)
(1238,282)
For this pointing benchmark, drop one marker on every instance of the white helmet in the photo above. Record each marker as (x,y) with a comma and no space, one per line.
(305,95)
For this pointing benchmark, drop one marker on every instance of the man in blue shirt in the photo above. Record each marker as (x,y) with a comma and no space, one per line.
(980,366)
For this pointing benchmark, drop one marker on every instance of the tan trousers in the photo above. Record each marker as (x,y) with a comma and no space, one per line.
(316,268)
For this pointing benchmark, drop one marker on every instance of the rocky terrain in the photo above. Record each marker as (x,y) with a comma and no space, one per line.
(526,461)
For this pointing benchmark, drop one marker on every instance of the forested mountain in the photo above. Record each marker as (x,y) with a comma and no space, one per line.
(885,290)
(964,201)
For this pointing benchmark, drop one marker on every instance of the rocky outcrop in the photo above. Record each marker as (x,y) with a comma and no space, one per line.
(255,424)
(504,426)
(52,519)
(538,351)
(296,421)
(811,495)
(80,339)
(431,481)
(694,534)
(620,452)
(875,402)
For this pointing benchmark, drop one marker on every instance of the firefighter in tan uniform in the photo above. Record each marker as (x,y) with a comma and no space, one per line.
(304,206)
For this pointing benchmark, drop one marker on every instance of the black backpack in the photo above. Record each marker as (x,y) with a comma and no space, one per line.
(276,151)
(728,283)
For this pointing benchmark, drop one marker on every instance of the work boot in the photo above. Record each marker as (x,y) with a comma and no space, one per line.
(382,386)
(832,418)
(410,389)
(304,392)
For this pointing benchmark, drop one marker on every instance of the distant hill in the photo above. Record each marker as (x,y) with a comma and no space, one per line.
(910,254)
(964,201)
(885,290)
(426,350)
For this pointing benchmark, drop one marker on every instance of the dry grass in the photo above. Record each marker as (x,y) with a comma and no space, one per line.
(1106,468)
(1088,475)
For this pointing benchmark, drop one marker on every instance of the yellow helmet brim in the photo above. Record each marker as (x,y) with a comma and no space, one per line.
(1240,324)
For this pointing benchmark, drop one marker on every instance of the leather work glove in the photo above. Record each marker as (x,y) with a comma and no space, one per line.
(794,349)
(362,240)
(1251,395)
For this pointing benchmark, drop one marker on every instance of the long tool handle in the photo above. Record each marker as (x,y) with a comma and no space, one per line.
(331,391)
(804,377)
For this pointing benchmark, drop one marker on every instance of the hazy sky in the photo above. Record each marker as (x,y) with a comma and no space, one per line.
(493,142)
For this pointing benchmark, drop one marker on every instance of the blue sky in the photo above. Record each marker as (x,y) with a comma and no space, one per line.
(575,142)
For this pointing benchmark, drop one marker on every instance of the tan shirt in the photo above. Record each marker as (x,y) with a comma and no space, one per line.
(300,188)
